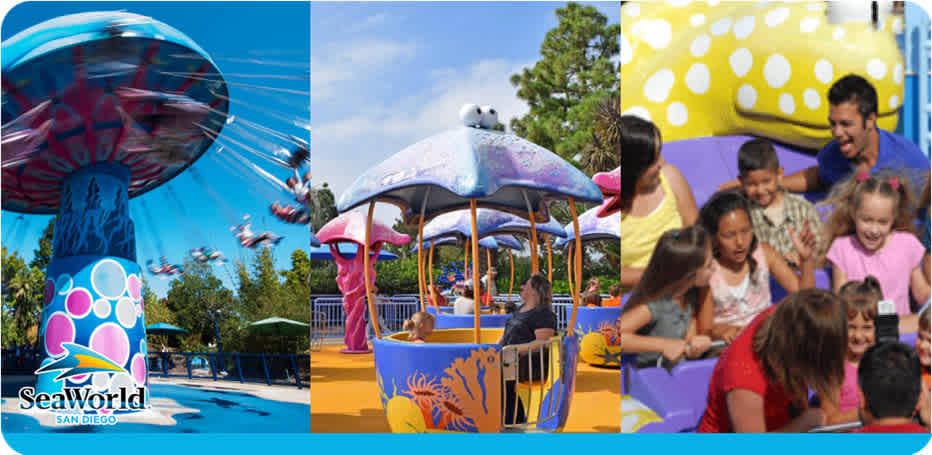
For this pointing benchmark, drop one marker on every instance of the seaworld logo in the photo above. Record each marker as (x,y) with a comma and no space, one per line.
(79,360)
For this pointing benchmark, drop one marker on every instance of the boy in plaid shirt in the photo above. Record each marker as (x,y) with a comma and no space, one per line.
(773,209)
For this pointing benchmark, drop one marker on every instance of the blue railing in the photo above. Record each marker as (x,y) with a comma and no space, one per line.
(278,369)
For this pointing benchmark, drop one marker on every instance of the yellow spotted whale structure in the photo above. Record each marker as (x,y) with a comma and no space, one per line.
(763,69)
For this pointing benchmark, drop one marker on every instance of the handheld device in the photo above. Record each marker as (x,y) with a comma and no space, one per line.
(887,322)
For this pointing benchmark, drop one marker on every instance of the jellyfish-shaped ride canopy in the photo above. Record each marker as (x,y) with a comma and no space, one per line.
(351,227)
(104,106)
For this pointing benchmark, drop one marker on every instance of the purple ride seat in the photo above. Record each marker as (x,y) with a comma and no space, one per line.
(823,280)
(656,389)
(693,377)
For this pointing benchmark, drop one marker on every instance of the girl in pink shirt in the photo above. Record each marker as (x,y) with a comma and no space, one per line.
(861,298)
(871,232)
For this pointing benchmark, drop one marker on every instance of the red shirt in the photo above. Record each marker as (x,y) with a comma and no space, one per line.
(739,368)
(900,428)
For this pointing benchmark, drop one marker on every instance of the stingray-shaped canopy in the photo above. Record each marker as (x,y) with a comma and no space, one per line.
(443,172)
(593,227)
(488,222)
(488,243)
(610,185)
(351,227)
(508,241)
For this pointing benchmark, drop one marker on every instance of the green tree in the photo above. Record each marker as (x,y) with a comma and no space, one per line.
(603,153)
(43,254)
(197,298)
(577,69)
(323,206)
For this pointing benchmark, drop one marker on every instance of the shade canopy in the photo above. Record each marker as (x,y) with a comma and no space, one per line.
(488,222)
(276,326)
(163,328)
(593,228)
(443,172)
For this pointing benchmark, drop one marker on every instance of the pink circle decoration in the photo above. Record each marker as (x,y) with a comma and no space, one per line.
(133,286)
(60,329)
(138,369)
(79,302)
(111,341)
(79,378)
(49,293)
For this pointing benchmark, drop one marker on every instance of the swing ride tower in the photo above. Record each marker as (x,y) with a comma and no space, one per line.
(101,107)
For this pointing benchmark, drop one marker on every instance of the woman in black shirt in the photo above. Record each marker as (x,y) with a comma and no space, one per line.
(534,321)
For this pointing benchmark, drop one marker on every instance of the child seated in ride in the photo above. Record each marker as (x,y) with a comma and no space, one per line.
(891,391)
(861,298)
(871,233)
(659,318)
(773,209)
(922,347)
(739,289)
(419,327)
(615,292)
(591,299)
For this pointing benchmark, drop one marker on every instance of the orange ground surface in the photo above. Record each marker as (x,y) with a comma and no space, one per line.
(345,397)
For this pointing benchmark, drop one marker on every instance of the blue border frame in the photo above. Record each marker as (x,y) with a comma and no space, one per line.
(467,444)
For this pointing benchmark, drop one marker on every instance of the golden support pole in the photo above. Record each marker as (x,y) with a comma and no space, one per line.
(578,261)
(430,271)
(475,269)
(534,259)
(420,262)
(373,315)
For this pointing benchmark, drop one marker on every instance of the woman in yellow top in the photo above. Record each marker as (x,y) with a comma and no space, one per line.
(654,196)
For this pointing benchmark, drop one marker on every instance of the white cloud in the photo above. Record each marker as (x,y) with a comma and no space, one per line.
(372,21)
(346,147)
(352,60)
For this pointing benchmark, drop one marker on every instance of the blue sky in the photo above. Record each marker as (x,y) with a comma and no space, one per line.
(385,75)
(275,34)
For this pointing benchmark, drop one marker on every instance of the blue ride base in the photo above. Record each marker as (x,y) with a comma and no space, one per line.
(93,287)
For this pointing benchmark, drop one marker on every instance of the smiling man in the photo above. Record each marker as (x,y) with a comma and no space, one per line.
(858,144)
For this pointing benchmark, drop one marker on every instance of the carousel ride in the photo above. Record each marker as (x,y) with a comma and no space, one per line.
(99,109)
(460,379)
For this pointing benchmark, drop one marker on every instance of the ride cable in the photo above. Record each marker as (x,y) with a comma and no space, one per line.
(228,211)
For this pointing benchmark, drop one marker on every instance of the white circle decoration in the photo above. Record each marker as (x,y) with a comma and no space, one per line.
(776,16)
(698,78)
(638,111)
(811,99)
(677,114)
(747,96)
(787,105)
(741,61)
(700,45)
(823,71)
(744,27)
(876,68)
(658,86)
(777,70)
(720,27)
